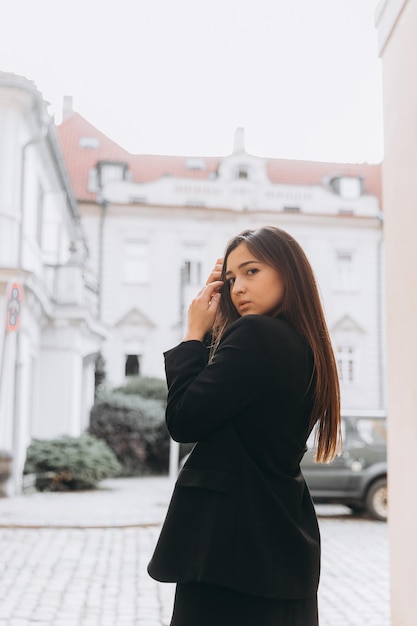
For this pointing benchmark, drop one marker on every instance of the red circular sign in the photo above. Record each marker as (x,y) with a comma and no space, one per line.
(14,306)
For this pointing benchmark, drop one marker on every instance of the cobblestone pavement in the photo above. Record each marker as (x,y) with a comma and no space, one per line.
(64,563)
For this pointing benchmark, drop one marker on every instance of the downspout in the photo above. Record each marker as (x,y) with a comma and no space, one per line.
(103,206)
(17,392)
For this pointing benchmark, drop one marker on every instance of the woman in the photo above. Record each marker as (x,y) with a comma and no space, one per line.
(241,538)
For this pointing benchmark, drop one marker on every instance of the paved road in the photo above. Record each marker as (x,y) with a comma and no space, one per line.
(80,560)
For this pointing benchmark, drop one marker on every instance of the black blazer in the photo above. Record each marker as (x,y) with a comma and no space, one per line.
(241,514)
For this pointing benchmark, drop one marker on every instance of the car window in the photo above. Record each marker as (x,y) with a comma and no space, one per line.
(311,439)
(372,431)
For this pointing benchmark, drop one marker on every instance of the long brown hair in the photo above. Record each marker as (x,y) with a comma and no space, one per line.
(301,306)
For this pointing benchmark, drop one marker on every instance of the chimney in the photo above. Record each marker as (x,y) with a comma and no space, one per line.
(67,109)
(239,140)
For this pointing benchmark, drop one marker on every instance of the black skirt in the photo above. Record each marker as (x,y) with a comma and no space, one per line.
(201,604)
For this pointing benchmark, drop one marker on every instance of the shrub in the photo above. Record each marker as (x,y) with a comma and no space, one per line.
(5,470)
(5,465)
(134,428)
(70,463)
(146,387)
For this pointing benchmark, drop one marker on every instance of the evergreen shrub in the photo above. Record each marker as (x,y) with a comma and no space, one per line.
(134,428)
(5,470)
(70,463)
(146,387)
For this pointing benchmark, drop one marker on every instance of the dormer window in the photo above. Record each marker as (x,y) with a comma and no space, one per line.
(350,187)
(196,163)
(91,143)
(242,172)
(347,187)
(111,171)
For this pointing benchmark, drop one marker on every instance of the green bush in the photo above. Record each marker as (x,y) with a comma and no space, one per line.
(70,463)
(146,387)
(134,428)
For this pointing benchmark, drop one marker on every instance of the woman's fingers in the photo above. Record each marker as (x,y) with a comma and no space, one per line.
(212,288)
(215,301)
(216,272)
(202,311)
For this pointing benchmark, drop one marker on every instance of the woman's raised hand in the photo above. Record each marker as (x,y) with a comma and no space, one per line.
(202,310)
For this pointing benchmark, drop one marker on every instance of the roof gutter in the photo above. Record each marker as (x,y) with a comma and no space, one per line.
(19,82)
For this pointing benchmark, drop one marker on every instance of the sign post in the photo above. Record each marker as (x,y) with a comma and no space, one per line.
(13,311)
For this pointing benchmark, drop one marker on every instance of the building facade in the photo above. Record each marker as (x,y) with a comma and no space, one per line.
(397,25)
(155,226)
(50,334)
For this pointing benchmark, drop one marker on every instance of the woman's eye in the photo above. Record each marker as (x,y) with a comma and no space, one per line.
(253,270)
(231,281)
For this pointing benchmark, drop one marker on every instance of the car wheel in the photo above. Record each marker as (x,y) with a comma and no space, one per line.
(377,500)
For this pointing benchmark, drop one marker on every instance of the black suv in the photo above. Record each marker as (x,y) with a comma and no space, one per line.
(358,478)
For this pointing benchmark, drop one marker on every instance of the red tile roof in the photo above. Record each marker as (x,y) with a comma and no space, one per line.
(80,160)
(147,168)
(292,172)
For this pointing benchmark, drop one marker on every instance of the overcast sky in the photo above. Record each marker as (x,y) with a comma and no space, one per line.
(302,77)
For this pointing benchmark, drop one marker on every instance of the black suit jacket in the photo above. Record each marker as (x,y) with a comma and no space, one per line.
(241,514)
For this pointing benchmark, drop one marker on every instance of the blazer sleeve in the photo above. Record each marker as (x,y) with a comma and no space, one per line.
(201,397)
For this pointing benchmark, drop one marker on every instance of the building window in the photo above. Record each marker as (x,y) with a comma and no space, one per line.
(195,163)
(346,364)
(109,172)
(345,272)
(192,266)
(136,262)
(348,187)
(192,272)
(242,172)
(132,365)
(91,143)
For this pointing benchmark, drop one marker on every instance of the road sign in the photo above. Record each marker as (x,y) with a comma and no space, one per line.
(14,306)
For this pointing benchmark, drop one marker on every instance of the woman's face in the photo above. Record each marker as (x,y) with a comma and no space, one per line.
(255,287)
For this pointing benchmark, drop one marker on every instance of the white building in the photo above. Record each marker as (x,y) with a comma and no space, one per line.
(155,225)
(47,363)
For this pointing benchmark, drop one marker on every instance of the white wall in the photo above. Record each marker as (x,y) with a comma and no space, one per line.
(170,228)
(43,387)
